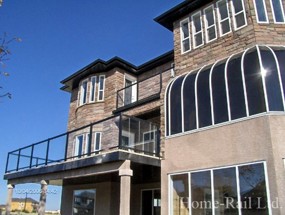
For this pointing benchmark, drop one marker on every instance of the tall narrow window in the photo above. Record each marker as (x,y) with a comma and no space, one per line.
(197,30)
(210,24)
(97,142)
(278,12)
(83,92)
(185,36)
(92,89)
(79,146)
(260,10)
(101,87)
(223,16)
(238,14)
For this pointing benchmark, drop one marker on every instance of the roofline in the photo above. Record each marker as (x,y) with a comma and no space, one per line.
(167,18)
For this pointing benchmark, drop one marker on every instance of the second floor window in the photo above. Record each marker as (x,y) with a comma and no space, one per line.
(210,24)
(197,30)
(260,10)
(83,92)
(224,17)
(185,36)
(238,14)
(91,90)
(278,12)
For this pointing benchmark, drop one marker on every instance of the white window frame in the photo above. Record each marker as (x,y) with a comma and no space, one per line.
(170,184)
(273,12)
(238,13)
(265,11)
(83,92)
(133,87)
(92,87)
(103,88)
(220,20)
(207,27)
(76,154)
(182,39)
(95,140)
(194,32)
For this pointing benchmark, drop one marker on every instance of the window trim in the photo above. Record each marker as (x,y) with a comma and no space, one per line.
(207,27)
(265,11)
(236,14)
(92,88)
(95,140)
(81,92)
(273,12)
(101,90)
(194,32)
(211,170)
(220,20)
(187,38)
(75,154)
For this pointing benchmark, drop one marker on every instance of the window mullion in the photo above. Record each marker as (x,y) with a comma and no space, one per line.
(238,191)
(213,193)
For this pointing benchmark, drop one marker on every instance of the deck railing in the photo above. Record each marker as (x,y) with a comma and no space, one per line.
(117,132)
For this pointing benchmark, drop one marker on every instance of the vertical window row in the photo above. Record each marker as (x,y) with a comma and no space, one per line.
(276,8)
(90,87)
(244,85)
(206,23)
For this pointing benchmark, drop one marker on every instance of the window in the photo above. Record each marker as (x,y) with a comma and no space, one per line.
(222,190)
(210,24)
(84,202)
(92,89)
(130,92)
(246,84)
(185,36)
(149,141)
(239,14)
(79,146)
(278,12)
(83,92)
(97,141)
(223,17)
(260,10)
(197,30)
(151,202)
(101,88)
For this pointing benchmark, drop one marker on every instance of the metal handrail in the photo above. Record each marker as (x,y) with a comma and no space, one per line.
(45,160)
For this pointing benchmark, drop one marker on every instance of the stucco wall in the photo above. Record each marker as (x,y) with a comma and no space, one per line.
(257,139)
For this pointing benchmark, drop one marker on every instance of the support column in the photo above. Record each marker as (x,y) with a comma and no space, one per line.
(43,198)
(125,174)
(9,198)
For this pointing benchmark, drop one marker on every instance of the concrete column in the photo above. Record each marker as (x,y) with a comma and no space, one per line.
(43,198)
(125,174)
(9,198)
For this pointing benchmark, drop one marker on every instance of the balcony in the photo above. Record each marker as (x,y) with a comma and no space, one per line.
(94,142)
(139,92)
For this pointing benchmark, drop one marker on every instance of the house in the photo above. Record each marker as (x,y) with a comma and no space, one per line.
(197,130)
(24,205)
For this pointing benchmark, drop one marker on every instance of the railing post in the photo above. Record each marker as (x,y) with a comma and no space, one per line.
(117,102)
(47,151)
(90,140)
(160,84)
(7,162)
(66,146)
(32,155)
(120,131)
(18,161)
(158,143)
(137,99)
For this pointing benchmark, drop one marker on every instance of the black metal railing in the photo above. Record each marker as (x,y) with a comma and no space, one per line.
(113,133)
(139,91)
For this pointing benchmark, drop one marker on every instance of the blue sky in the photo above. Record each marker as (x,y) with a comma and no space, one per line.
(60,37)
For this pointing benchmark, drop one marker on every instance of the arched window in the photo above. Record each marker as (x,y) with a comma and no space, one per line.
(243,85)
